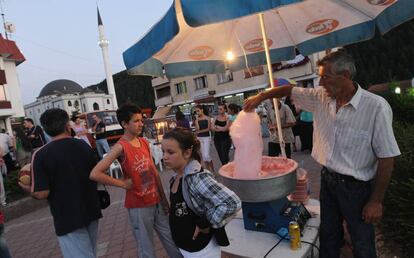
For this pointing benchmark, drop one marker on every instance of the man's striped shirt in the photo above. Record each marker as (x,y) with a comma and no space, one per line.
(351,140)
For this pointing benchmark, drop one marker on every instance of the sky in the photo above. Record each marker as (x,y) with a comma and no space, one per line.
(60,38)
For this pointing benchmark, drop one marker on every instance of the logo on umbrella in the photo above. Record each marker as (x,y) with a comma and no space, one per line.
(201,52)
(322,26)
(380,2)
(256,45)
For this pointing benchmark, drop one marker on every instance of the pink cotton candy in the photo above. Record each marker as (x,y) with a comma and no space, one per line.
(270,167)
(247,138)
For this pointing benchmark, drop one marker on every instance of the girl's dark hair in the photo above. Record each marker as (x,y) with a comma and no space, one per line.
(204,108)
(223,105)
(186,140)
(74,117)
(179,115)
(235,108)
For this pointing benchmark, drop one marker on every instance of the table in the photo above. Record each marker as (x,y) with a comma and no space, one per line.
(246,243)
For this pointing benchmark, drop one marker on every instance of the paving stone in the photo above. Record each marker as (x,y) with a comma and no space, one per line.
(115,238)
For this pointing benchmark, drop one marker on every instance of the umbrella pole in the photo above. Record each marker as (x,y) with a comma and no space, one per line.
(272,84)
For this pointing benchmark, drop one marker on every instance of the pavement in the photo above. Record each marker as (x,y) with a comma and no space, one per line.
(32,235)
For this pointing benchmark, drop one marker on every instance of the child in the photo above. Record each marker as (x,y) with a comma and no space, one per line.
(144,190)
(199,204)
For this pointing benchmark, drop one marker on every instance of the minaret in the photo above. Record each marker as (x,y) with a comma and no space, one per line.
(103,43)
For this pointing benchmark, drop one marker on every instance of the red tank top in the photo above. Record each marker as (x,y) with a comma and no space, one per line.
(138,165)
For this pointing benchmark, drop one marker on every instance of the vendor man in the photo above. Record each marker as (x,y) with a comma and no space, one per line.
(355,144)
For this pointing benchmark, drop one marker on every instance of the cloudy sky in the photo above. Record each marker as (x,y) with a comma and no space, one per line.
(59,38)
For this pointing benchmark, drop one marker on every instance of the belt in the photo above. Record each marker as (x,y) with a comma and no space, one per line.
(342,177)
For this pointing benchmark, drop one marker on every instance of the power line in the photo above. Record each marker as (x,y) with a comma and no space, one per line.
(57,50)
(76,74)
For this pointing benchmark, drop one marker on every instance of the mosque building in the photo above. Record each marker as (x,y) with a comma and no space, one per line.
(70,96)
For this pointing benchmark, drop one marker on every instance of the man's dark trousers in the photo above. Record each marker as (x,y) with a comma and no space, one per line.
(343,198)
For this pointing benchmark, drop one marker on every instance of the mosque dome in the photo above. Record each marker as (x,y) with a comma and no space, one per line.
(60,87)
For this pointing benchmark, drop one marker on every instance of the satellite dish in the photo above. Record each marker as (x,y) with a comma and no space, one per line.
(9,27)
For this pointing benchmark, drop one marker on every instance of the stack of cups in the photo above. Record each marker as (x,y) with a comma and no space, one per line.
(301,193)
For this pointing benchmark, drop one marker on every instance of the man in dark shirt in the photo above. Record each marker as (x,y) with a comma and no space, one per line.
(60,173)
(98,128)
(34,133)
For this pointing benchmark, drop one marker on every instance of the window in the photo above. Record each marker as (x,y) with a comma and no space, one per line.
(108,117)
(2,93)
(224,77)
(181,87)
(95,106)
(163,92)
(108,102)
(200,82)
(69,103)
(76,104)
(253,71)
(84,107)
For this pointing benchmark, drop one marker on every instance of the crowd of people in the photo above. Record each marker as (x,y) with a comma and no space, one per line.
(353,140)
(66,172)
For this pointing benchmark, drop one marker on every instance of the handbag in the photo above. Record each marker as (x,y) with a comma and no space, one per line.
(104,198)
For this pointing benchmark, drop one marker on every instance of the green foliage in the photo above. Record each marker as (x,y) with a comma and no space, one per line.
(402,104)
(129,88)
(385,58)
(398,222)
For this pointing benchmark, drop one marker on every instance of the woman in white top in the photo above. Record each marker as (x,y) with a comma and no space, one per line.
(203,127)
(79,129)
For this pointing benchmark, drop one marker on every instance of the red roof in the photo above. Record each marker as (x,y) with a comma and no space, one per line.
(10,51)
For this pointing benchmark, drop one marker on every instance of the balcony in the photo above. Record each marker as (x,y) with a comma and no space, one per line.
(163,101)
(159,81)
(4,104)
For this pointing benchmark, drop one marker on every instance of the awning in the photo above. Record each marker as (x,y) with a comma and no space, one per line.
(209,99)
(255,87)
(161,112)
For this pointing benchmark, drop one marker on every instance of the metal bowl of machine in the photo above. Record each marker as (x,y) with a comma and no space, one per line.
(272,186)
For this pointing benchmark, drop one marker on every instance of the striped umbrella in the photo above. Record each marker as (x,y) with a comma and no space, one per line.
(283,81)
(200,37)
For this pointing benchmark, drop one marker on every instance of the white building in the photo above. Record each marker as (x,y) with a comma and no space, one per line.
(11,104)
(232,87)
(69,96)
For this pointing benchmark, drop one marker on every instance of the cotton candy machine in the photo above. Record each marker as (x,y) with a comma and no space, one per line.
(264,203)
(276,179)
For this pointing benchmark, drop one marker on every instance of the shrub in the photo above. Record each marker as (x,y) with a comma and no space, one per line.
(398,221)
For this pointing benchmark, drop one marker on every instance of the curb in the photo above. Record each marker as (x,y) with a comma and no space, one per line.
(22,207)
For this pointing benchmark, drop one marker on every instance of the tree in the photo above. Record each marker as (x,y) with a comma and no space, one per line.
(131,88)
(385,58)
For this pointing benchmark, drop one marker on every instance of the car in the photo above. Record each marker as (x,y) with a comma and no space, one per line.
(114,130)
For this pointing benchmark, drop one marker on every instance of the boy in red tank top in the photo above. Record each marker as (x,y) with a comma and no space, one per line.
(145,199)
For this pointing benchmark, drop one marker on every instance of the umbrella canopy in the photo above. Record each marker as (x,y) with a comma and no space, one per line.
(200,37)
(283,81)
(195,37)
